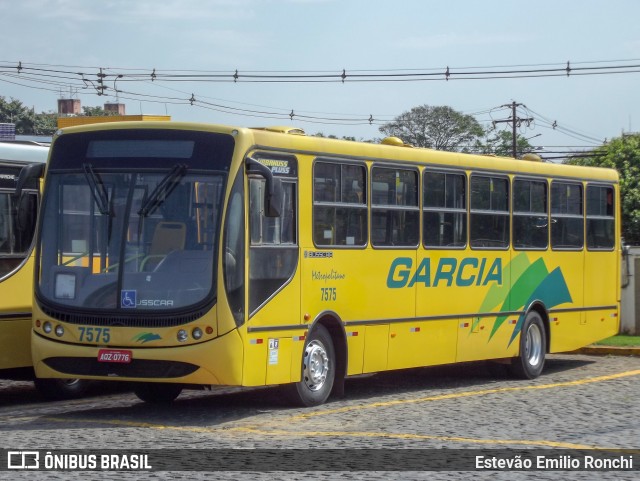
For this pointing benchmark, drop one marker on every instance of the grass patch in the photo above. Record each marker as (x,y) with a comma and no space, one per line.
(620,341)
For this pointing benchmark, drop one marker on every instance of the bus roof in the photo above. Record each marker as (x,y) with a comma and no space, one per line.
(291,139)
(16,151)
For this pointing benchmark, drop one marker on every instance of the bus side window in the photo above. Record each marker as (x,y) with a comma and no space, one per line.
(17,226)
(567,222)
(445,210)
(600,218)
(489,223)
(339,204)
(530,214)
(395,218)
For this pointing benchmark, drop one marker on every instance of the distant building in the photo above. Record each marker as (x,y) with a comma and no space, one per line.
(69,107)
(115,108)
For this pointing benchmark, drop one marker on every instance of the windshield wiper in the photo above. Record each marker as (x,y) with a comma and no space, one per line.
(97,189)
(162,190)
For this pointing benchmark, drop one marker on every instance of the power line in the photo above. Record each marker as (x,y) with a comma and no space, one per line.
(105,81)
(343,76)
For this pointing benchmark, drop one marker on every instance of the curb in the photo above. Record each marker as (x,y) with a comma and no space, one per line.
(608,351)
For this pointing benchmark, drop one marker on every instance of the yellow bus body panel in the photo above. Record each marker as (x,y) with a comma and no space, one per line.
(15,351)
(221,367)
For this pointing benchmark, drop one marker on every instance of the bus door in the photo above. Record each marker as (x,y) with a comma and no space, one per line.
(274,287)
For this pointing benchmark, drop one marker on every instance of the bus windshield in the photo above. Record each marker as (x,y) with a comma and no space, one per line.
(125,235)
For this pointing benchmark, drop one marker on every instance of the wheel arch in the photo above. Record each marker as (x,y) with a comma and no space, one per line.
(539,307)
(332,322)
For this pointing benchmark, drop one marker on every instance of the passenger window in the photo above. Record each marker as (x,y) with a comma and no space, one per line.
(530,214)
(339,204)
(567,223)
(395,220)
(444,210)
(17,226)
(489,223)
(600,220)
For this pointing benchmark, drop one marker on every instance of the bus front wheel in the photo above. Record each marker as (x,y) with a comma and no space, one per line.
(60,389)
(318,369)
(157,393)
(533,344)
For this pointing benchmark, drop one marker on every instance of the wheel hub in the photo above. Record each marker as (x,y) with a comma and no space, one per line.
(316,366)
(533,347)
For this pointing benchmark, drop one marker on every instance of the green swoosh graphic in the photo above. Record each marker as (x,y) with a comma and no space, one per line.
(499,294)
(526,282)
(521,290)
(552,291)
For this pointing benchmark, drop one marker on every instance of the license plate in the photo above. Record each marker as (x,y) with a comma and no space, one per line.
(114,355)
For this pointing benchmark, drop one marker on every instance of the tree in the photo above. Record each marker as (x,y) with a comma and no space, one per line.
(14,112)
(344,137)
(96,112)
(501,143)
(622,154)
(27,122)
(440,128)
(45,123)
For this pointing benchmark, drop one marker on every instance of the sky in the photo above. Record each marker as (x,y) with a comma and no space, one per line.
(63,44)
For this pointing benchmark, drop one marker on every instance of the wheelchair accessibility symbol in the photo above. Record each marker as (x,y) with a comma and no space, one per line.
(128,299)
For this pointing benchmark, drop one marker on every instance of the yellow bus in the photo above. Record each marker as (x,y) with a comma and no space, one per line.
(188,255)
(21,166)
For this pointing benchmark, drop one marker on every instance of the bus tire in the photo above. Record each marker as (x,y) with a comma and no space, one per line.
(318,370)
(59,389)
(533,344)
(157,393)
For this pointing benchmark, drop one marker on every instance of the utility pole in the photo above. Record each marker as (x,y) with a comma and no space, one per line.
(515,123)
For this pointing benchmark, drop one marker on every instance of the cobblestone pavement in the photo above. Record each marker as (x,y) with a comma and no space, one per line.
(580,402)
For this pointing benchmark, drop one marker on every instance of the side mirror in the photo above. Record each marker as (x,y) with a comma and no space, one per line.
(273,192)
(28,172)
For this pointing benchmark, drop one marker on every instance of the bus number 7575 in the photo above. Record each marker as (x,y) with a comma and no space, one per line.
(328,294)
(94,334)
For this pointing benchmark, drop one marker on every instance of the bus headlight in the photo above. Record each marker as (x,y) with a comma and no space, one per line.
(47,327)
(196,333)
(182,335)
(59,331)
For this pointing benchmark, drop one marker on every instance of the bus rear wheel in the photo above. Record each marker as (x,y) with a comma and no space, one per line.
(533,344)
(157,393)
(318,370)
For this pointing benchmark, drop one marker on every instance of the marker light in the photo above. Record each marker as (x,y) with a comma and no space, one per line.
(59,331)
(47,327)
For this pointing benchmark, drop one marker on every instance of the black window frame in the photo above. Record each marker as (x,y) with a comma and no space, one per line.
(561,216)
(608,216)
(355,203)
(445,209)
(394,211)
(481,213)
(538,219)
